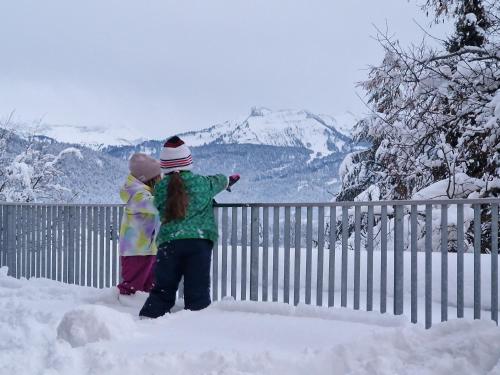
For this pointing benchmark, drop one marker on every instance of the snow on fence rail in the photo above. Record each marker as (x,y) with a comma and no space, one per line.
(292,253)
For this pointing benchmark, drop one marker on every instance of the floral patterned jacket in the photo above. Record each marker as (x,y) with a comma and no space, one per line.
(140,222)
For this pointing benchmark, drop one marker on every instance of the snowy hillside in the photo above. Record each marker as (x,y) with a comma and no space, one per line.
(94,137)
(284,128)
(84,175)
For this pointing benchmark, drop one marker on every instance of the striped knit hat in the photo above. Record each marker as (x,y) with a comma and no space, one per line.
(175,156)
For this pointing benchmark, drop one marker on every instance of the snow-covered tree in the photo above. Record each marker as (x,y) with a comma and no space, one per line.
(471,20)
(30,175)
(436,116)
(435,127)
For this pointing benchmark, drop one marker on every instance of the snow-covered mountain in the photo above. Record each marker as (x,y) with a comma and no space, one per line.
(283,128)
(95,137)
(282,155)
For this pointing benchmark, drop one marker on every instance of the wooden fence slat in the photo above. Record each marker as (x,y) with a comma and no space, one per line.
(383,259)
(224,240)
(102,248)
(244,252)
(357,257)
(121,210)
(477,261)
(309,229)
(114,246)
(234,250)
(398,261)
(95,246)
(414,263)
(87,254)
(254,254)
(265,253)
(276,252)
(38,246)
(78,244)
(107,238)
(460,260)
(343,284)
(18,235)
(298,251)
(53,243)
(43,259)
(215,261)
(332,239)
(428,266)
(369,266)
(494,262)
(70,251)
(321,247)
(11,241)
(33,238)
(444,262)
(286,273)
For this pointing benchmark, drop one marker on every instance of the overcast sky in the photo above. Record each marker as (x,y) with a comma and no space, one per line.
(163,66)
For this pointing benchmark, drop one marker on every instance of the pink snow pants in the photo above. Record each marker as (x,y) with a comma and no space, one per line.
(137,273)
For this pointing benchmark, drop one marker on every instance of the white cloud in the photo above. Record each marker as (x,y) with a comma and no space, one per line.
(179,65)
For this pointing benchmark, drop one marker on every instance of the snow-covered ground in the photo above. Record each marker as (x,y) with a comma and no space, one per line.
(48,327)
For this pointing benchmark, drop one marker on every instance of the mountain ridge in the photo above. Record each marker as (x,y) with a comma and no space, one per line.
(287,128)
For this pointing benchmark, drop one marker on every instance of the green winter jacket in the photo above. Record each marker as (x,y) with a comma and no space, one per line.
(199,221)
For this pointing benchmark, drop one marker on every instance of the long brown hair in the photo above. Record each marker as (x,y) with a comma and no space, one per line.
(177,200)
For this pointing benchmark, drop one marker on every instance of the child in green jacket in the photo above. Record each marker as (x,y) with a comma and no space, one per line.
(187,233)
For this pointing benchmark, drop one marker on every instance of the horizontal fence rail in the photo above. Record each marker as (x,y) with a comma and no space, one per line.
(432,260)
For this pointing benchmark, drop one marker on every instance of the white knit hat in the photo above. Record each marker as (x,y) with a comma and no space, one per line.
(175,156)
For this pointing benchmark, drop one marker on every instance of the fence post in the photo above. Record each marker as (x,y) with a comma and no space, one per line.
(357,256)
(383,259)
(460,260)
(398,261)
(428,266)
(494,262)
(225,221)
(298,252)
(254,254)
(2,239)
(215,262)
(477,261)
(10,240)
(414,263)
(344,269)
(444,262)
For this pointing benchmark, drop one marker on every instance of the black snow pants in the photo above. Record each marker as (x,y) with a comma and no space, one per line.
(190,258)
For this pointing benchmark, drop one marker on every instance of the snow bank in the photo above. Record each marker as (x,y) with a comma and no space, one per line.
(47,327)
(308,311)
(87,324)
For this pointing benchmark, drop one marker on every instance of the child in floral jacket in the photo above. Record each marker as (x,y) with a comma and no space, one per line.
(140,225)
